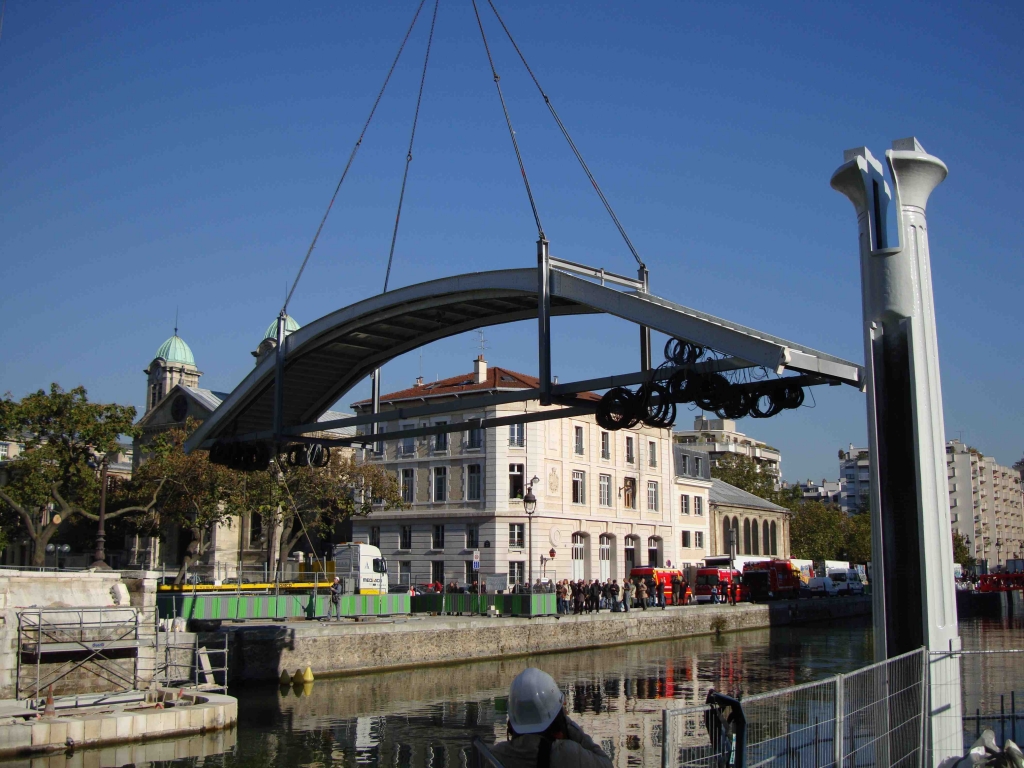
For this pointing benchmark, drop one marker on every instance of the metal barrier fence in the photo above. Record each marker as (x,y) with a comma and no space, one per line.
(991,694)
(871,717)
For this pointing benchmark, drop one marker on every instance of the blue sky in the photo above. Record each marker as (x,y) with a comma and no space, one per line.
(157,156)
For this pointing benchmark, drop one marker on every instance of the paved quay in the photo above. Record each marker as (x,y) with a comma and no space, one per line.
(263,651)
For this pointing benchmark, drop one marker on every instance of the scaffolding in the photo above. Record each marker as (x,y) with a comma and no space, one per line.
(184,663)
(54,643)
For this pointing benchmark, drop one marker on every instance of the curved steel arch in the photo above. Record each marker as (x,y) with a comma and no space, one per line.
(328,357)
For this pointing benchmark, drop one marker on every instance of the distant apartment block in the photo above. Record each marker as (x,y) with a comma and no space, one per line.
(826,491)
(719,438)
(855,471)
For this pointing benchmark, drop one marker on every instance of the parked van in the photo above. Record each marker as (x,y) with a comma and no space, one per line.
(822,586)
(364,566)
(847,581)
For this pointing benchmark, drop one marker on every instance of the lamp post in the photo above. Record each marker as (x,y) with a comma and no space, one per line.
(100,461)
(999,546)
(57,550)
(530,506)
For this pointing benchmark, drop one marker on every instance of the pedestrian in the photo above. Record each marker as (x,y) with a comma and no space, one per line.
(675,589)
(641,594)
(335,599)
(734,591)
(539,732)
(661,594)
(614,589)
(714,593)
(684,589)
(627,594)
(595,595)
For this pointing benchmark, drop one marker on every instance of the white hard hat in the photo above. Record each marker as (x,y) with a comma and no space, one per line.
(534,701)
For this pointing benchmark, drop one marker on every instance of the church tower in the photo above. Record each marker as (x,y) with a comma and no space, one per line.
(173,364)
(269,343)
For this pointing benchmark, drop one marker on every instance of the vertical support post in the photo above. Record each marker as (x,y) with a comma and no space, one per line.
(645,332)
(375,395)
(101,530)
(913,560)
(839,726)
(544,320)
(666,740)
(279,377)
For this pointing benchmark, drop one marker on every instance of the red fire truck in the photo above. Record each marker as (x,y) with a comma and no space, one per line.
(771,580)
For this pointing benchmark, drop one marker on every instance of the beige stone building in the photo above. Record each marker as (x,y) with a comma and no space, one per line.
(719,438)
(762,527)
(606,500)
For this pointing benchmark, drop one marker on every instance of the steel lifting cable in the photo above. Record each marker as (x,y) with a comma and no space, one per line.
(508,122)
(412,138)
(355,149)
(568,138)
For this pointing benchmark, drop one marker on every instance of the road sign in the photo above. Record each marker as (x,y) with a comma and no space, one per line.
(476,559)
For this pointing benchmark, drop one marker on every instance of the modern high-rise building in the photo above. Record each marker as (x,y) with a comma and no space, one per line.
(855,471)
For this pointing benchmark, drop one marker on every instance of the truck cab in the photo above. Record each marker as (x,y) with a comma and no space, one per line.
(362,566)
(771,580)
(722,578)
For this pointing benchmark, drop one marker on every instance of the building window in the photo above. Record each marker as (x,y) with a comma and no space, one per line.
(375,536)
(629,493)
(515,535)
(684,465)
(630,455)
(405,537)
(652,495)
(437,537)
(255,522)
(578,443)
(408,485)
(516,435)
(515,571)
(606,445)
(684,504)
(516,473)
(474,486)
(405,572)
(686,539)
(698,467)
(579,487)
(774,539)
(604,486)
(437,571)
(440,483)
(4,449)
(441,440)
(472,537)
(470,573)
(698,506)
(652,453)
(698,539)
(653,552)
(476,439)
(408,445)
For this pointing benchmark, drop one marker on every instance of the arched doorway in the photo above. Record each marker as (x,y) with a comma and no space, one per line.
(766,544)
(632,542)
(725,535)
(655,556)
(579,551)
(775,546)
(604,556)
(755,535)
(746,536)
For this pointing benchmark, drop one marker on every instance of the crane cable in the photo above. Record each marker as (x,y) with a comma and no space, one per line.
(352,156)
(508,121)
(565,132)
(412,138)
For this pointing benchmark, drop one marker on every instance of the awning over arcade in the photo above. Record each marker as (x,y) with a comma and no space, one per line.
(328,357)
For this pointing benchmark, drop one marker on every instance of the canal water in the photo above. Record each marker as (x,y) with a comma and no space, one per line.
(428,717)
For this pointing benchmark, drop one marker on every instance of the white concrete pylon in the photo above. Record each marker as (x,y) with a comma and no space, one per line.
(914,591)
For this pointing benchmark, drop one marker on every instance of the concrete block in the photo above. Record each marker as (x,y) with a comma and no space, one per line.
(168,720)
(124,727)
(180,719)
(195,718)
(108,729)
(209,717)
(91,729)
(76,730)
(140,725)
(58,732)
(15,737)
(40,734)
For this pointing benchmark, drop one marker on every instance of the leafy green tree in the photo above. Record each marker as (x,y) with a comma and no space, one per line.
(962,552)
(818,532)
(858,537)
(744,473)
(54,480)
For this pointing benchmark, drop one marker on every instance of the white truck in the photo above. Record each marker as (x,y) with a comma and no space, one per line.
(362,566)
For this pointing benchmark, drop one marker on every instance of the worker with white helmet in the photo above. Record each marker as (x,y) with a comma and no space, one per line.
(540,733)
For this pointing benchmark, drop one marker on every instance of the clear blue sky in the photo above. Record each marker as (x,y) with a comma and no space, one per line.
(163,155)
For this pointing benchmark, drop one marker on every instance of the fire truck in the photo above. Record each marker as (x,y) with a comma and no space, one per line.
(771,580)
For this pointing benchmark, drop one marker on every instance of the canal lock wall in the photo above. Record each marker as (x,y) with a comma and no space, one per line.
(263,652)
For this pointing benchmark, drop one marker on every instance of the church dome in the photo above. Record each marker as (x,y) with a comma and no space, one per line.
(290,326)
(175,350)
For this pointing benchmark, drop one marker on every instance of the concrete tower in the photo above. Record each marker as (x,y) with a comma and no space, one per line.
(172,365)
(912,557)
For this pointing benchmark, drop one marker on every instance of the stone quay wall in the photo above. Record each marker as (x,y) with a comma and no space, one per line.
(263,652)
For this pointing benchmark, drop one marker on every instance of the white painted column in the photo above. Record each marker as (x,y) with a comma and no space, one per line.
(913,590)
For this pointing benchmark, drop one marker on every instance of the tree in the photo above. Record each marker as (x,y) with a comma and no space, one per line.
(309,502)
(197,493)
(858,537)
(744,473)
(962,552)
(53,481)
(818,532)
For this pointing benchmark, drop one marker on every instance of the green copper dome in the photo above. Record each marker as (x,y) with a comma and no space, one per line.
(175,350)
(290,326)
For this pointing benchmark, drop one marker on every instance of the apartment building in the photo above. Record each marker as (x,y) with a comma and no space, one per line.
(718,437)
(985,504)
(855,471)
(606,501)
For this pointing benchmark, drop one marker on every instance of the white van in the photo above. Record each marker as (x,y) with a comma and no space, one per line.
(847,581)
(822,586)
(364,565)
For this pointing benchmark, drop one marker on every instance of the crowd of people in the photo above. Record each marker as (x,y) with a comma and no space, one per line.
(592,595)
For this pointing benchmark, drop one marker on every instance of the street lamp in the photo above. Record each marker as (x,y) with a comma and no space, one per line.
(99,461)
(999,546)
(57,550)
(530,506)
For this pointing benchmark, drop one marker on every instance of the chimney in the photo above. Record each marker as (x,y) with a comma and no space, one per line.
(480,369)
(419,381)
